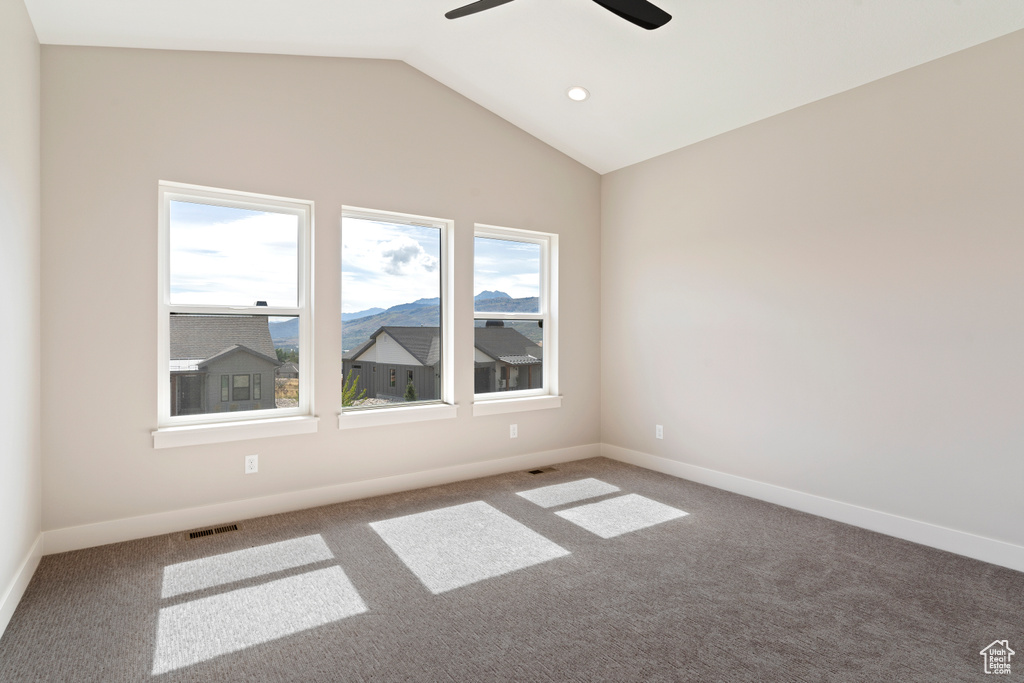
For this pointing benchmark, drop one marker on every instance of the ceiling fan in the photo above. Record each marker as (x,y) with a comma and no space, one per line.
(640,12)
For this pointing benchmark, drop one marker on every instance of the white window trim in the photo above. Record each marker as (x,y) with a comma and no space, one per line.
(181,430)
(500,402)
(379,417)
(195,435)
(515,405)
(445,407)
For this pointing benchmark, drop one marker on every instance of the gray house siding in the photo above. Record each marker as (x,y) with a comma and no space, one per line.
(376,379)
(499,376)
(240,364)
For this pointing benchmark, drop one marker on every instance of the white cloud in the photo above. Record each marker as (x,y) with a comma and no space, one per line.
(506,266)
(235,262)
(404,255)
(386,264)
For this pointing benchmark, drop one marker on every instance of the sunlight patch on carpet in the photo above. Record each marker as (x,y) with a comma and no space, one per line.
(617,516)
(218,570)
(202,629)
(560,494)
(459,545)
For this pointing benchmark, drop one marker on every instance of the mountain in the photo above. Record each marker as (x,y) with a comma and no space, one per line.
(355,332)
(426,313)
(528,304)
(358,327)
(490,294)
(285,333)
(360,314)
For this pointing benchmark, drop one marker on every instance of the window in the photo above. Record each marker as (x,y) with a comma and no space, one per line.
(240,388)
(235,298)
(515,303)
(395,313)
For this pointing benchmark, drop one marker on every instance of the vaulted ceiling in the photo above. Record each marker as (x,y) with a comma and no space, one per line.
(717,65)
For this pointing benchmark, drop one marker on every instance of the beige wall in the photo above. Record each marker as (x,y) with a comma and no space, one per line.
(365,133)
(837,294)
(19,281)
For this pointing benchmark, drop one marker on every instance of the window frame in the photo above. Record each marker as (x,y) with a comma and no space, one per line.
(547,395)
(444,407)
(177,430)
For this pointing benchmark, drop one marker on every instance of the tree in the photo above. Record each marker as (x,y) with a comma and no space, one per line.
(287,355)
(410,392)
(350,389)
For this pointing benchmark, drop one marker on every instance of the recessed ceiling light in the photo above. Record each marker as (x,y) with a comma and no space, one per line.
(577,93)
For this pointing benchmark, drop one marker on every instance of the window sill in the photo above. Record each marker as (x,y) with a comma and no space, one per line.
(378,417)
(195,435)
(515,405)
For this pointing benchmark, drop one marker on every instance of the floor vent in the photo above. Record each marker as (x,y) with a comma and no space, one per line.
(211,532)
(541,470)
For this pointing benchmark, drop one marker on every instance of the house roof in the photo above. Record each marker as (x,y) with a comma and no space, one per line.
(288,367)
(236,348)
(200,337)
(508,345)
(354,353)
(424,343)
(502,343)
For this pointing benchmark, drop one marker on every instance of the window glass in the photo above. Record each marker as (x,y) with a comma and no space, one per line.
(205,346)
(514,324)
(228,256)
(506,275)
(240,388)
(508,356)
(391,310)
(235,290)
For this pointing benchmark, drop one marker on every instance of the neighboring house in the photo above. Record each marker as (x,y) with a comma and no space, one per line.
(221,363)
(394,356)
(288,371)
(505,360)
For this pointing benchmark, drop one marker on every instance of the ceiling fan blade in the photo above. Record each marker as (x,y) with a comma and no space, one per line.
(474,7)
(640,12)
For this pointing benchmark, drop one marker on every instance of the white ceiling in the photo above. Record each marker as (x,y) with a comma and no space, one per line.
(718,65)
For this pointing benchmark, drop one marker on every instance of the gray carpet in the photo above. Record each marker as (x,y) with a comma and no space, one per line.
(473,582)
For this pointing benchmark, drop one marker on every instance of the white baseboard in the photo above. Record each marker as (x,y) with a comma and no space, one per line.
(959,542)
(115,531)
(11,596)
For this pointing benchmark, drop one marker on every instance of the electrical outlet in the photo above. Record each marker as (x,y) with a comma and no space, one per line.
(513,431)
(252,464)
(659,432)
